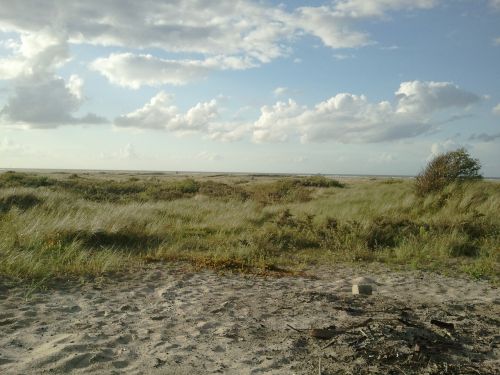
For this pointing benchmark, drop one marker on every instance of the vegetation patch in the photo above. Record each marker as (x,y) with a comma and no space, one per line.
(69,226)
(20,201)
(123,239)
(444,169)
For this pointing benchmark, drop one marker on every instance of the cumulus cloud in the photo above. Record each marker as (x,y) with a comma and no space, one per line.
(496,110)
(342,56)
(210,156)
(134,71)
(128,152)
(7,145)
(202,26)
(46,102)
(382,158)
(228,131)
(280,91)
(439,148)
(34,54)
(155,114)
(277,122)
(40,98)
(160,114)
(333,28)
(345,117)
(495,4)
(229,34)
(352,118)
(367,8)
(425,97)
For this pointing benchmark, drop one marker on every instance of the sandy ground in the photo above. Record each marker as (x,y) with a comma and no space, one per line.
(174,320)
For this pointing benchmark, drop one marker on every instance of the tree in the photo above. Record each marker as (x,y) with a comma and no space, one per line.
(446,168)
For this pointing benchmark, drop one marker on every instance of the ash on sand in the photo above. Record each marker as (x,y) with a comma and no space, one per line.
(172,320)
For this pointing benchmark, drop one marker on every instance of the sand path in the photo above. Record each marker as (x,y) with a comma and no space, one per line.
(173,320)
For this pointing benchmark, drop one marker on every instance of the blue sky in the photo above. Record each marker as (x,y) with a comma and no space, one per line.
(347,86)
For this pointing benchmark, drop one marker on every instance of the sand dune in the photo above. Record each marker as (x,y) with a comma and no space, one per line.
(173,320)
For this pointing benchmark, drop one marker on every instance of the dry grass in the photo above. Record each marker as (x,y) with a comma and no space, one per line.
(67,226)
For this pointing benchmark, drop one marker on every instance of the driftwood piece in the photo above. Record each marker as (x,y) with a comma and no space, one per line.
(318,333)
(441,324)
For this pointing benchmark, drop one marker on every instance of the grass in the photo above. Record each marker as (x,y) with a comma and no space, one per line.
(69,226)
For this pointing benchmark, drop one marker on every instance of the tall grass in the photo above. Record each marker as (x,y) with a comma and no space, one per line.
(52,228)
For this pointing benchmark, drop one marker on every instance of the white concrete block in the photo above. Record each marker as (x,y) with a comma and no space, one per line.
(362,289)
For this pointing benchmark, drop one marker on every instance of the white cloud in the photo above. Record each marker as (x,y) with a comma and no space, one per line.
(134,71)
(496,110)
(210,156)
(442,147)
(155,114)
(382,158)
(390,48)
(40,98)
(277,122)
(425,97)
(46,102)
(369,8)
(280,91)
(7,145)
(228,131)
(160,114)
(128,152)
(333,28)
(496,41)
(342,56)
(495,4)
(202,26)
(34,54)
(12,149)
(228,34)
(352,118)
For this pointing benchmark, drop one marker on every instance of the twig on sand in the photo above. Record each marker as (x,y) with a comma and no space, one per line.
(362,324)
(319,333)
(296,329)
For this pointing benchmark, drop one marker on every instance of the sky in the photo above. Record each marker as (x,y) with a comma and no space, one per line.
(334,87)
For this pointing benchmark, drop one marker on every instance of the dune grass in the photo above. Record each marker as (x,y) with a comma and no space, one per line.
(69,226)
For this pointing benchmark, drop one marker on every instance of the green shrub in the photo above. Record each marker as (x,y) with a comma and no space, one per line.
(317,181)
(389,232)
(221,190)
(15,179)
(125,238)
(446,168)
(21,201)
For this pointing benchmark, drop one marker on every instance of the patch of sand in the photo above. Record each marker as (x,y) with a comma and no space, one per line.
(172,320)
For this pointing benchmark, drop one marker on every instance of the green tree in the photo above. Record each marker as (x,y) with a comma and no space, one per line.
(446,168)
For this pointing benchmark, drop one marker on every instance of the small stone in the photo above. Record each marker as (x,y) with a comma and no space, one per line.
(362,289)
